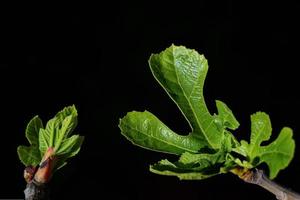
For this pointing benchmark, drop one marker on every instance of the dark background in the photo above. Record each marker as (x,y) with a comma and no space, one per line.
(95,56)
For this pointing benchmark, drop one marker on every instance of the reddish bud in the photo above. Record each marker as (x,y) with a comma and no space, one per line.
(44,172)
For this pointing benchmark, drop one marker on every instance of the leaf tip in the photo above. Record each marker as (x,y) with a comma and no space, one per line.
(259,114)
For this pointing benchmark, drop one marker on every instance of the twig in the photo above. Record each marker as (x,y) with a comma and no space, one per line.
(36,191)
(258,177)
(36,188)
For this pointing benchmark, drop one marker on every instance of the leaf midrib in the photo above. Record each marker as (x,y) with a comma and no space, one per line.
(275,152)
(188,100)
(256,143)
(158,139)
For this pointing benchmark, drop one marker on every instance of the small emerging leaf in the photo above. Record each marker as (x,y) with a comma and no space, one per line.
(43,141)
(226,115)
(279,153)
(70,146)
(67,125)
(192,166)
(165,167)
(29,156)
(261,131)
(48,136)
(55,135)
(62,115)
(32,130)
(276,155)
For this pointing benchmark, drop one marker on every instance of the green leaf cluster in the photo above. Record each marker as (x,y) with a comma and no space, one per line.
(210,148)
(56,134)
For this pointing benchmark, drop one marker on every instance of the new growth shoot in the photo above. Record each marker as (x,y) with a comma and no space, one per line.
(50,148)
(211,147)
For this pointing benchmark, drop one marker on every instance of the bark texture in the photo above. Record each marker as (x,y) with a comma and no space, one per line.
(258,177)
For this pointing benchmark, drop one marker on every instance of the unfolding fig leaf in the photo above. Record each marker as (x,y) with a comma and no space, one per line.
(32,130)
(146,130)
(278,154)
(55,135)
(31,155)
(165,167)
(181,72)
(195,165)
(210,148)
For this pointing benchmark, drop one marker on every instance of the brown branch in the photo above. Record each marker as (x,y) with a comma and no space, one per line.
(258,177)
(36,191)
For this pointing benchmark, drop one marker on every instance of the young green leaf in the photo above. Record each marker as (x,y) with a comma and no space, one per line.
(69,148)
(32,130)
(167,168)
(70,145)
(198,166)
(46,136)
(30,156)
(67,111)
(226,116)
(54,135)
(58,129)
(181,72)
(191,166)
(43,142)
(67,125)
(210,148)
(61,116)
(278,154)
(145,130)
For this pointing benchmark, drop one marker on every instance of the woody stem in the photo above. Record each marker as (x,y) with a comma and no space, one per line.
(36,191)
(36,188)
(258,177)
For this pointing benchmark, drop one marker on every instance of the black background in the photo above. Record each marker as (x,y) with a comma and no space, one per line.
(95,56)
